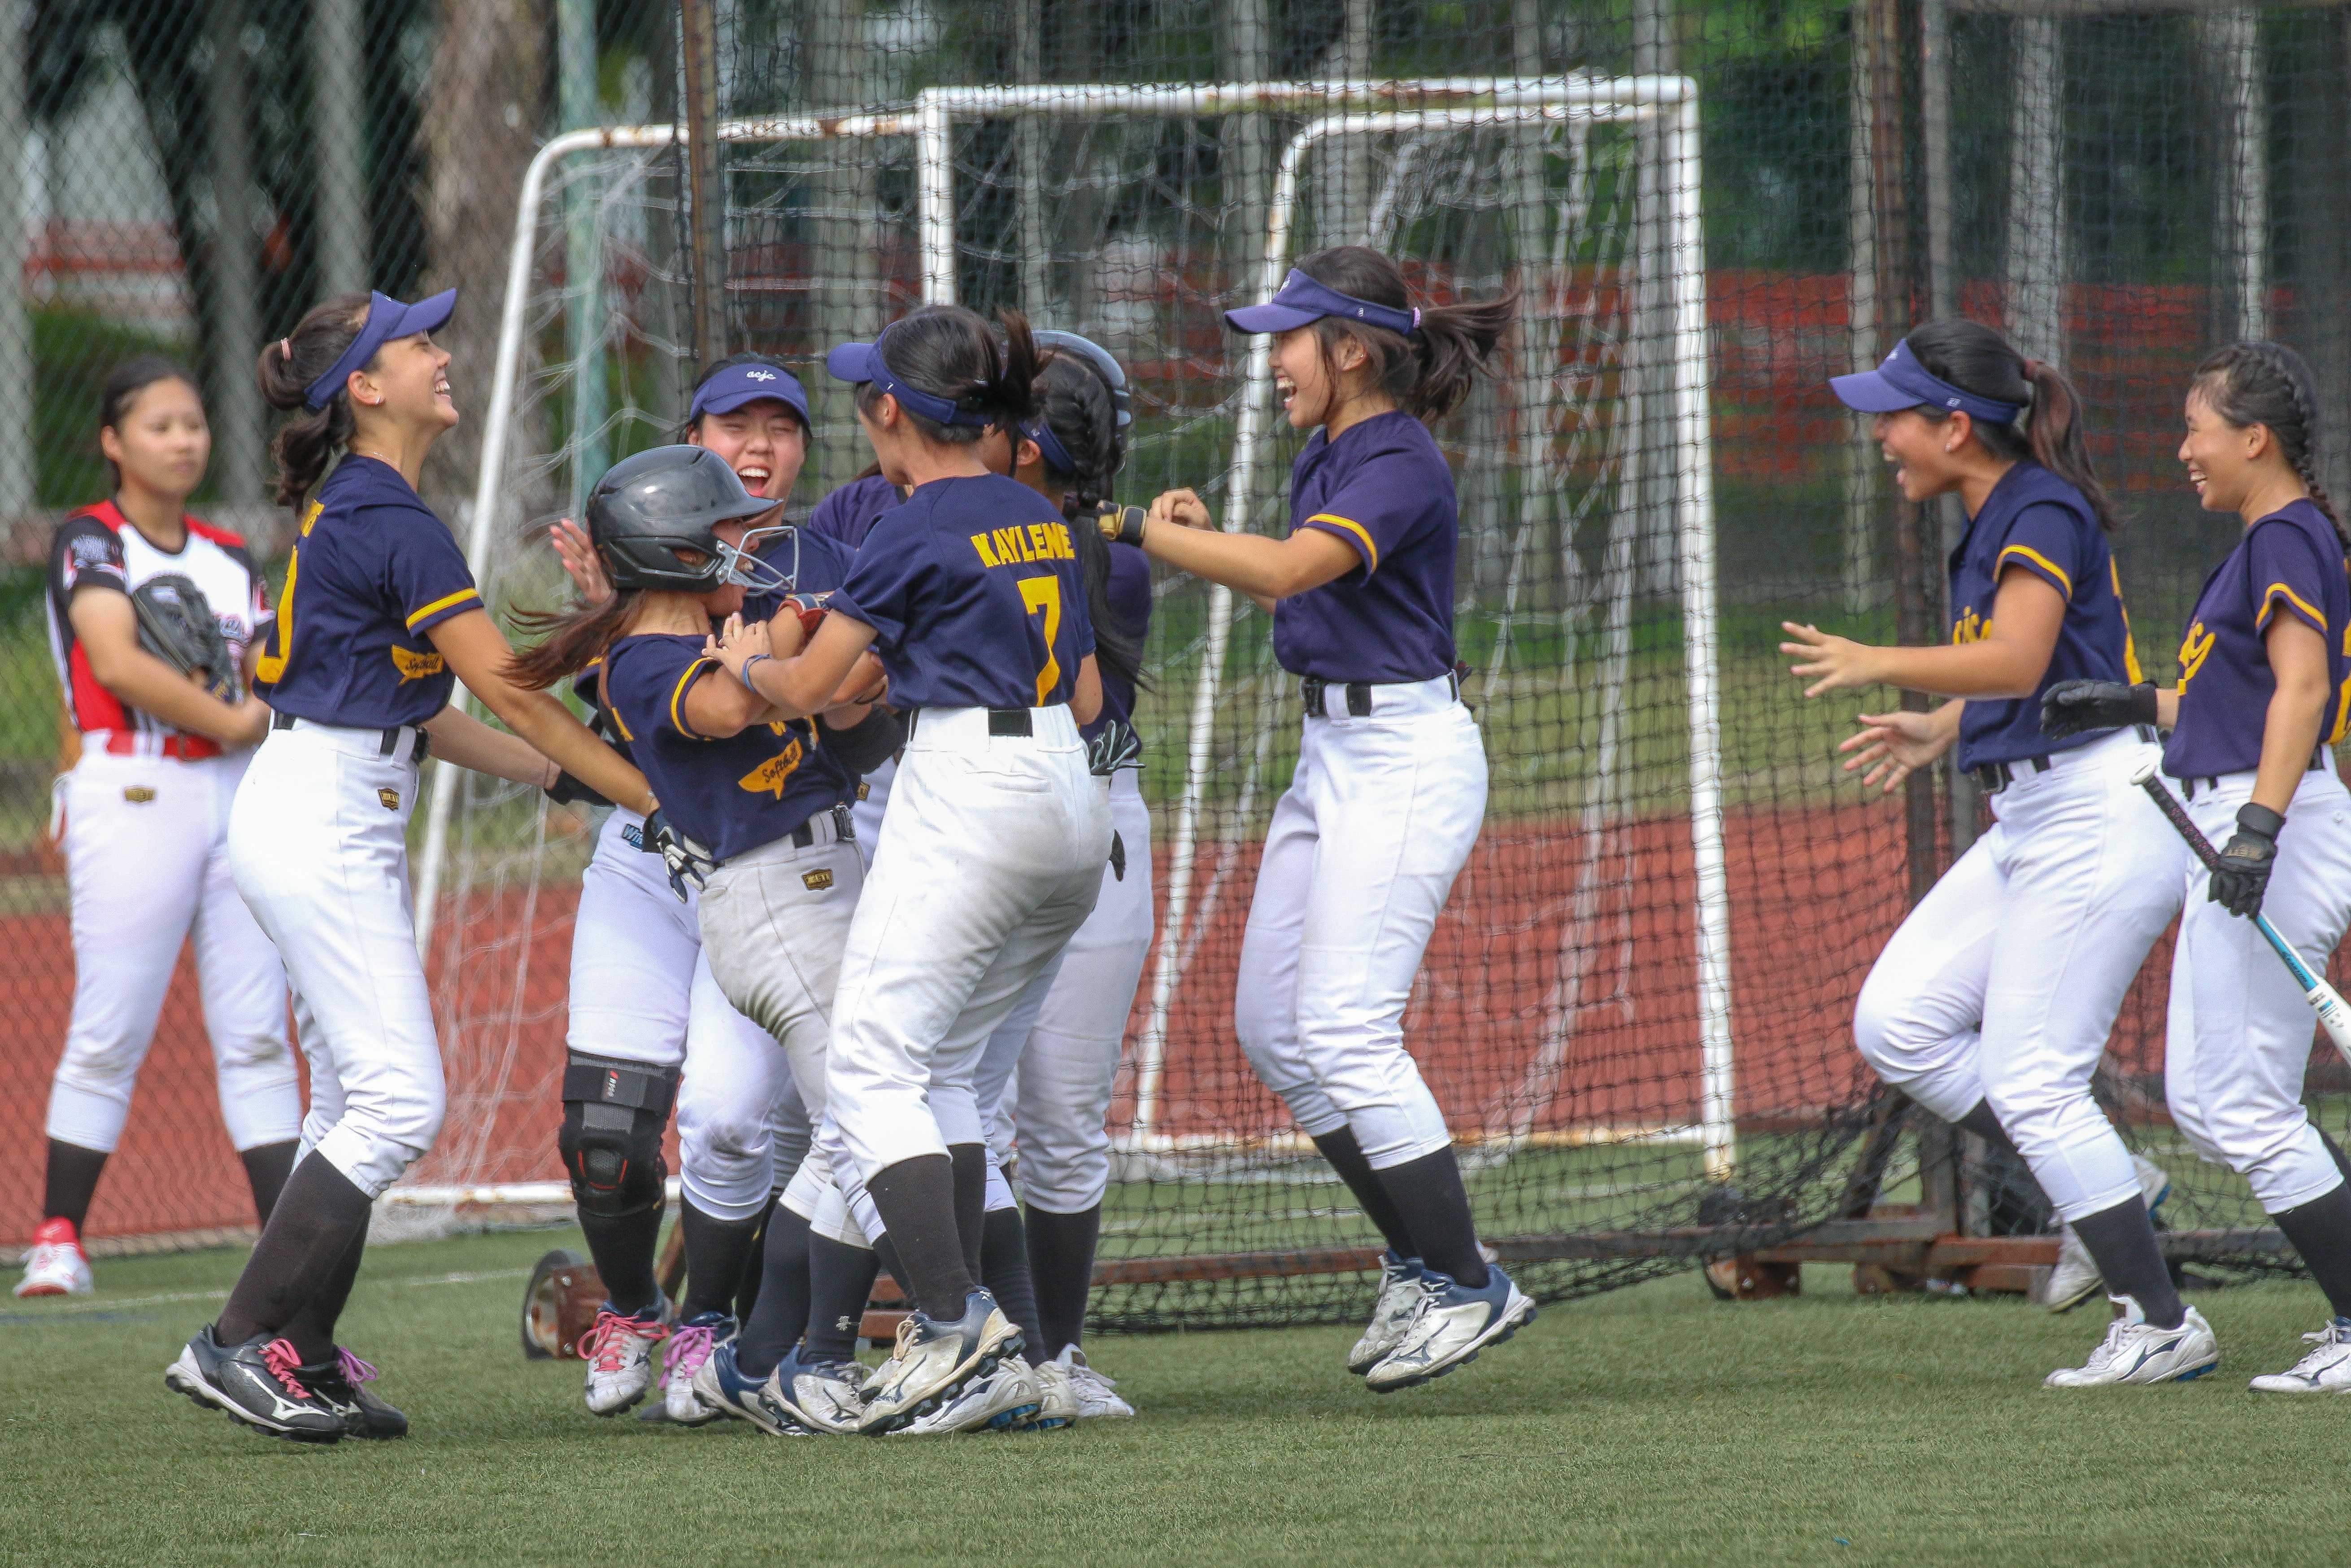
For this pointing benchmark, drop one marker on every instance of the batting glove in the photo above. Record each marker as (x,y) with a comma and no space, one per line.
(2251,853)
(680,854)
(1122,525)
(2072,707)
(568,791)
(1115,747)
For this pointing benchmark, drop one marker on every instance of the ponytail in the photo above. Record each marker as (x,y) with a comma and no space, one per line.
(2270,385)
(575,639)
(308,442)
(1975,358)
(1429,373)
(949,352)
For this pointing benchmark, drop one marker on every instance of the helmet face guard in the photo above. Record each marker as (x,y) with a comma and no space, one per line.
(750,570)
(648,507)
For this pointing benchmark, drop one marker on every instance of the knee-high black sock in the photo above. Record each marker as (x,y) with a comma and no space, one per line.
(1427,1192)
(72,1182)
(918,1202)
(1004,1270)
(747,1296)
(1985,1125)
(312,1329)
(2321,1231)
(1062,1264)
(299,1251)
(774,1325)
(265,1170)
(840,1281)
(1346,1157)
(970,1202)
(885,1253)
(621,1247)
(715,1252)
(2122,1242)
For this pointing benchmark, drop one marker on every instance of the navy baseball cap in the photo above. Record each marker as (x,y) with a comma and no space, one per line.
(386,319)
(1901,381)
(862,363)
(1302,300)
(737,385)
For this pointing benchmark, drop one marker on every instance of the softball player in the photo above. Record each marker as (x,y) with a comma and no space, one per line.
(146,813)
(378,620)
(2265,687)
(1391,775)
(1992,1003)
(992,853)
(644,1006)
(846,517)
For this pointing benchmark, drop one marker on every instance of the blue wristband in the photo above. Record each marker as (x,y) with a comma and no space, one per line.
(744,675)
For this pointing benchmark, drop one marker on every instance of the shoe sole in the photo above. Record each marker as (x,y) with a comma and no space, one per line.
(1507,1325)
(758,1416)
(187,1380)
(631,1403)
(982,1364)
(2191,1376)
(26,1294)
(818,1423)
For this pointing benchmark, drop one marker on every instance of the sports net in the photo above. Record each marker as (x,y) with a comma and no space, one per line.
(2118,189)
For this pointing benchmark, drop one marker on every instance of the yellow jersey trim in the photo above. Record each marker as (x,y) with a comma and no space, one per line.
(678,698)
(2269,601)
(2043,561)
(1371,547)
(443,602)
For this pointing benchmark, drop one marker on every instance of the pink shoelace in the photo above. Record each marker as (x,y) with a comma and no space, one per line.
(284,1361)
(688,1348)
(602,1344)
(355,1371)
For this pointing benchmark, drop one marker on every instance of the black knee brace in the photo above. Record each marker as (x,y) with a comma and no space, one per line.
(613,1116)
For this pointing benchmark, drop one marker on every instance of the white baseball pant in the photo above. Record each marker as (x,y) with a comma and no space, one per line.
(2002,985)
(872,807)
(1335,939)
(317,841)
(2239,1036)
(990,858)
(147,863)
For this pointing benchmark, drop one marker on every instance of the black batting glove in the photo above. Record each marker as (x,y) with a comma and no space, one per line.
(1115,747)
(682,856)
(1122,525)
(568,791)
(2074,708)
(2246,862)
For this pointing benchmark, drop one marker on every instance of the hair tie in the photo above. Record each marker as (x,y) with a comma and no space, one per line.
(286,347)
(1416,318)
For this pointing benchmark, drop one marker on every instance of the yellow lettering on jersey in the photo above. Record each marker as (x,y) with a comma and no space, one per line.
(986,556)
(2194,649)
(310,515)
(415,666)
(1061,535)
(1970,627)
(767,778)
(271,667)
(1045,593)
(2130,649)
(1040,543)
(1012,545)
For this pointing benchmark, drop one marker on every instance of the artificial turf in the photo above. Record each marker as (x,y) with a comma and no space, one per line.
(1653,1425)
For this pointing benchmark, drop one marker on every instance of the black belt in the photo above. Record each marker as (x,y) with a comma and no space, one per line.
(844,827)
(1313,688)
(1994,777)
(2188,787)
(1017,721)
(389,735)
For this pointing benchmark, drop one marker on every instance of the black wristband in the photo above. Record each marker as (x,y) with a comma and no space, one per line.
(2142,704)
(2259,821)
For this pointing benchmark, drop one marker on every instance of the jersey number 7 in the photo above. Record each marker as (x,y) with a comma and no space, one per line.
(1045,593)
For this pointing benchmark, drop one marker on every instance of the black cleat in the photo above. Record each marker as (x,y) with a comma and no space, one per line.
(257,1384)
(342,1383)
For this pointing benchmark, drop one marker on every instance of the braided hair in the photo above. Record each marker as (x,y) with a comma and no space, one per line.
(2270,385)
(1073,398)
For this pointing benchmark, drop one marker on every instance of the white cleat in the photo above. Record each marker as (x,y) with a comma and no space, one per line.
(1057,1399)
(2326,1370)
(1392,1314)
(823,1396)
(56,1266)
(690,1344)
(2136,1351)
(1453,1325)
(1006,1398)
(934,1360)
(1098,1398)
(619,1355)
(2076,1279)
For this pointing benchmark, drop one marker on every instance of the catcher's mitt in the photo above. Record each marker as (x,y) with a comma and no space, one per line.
(176,625)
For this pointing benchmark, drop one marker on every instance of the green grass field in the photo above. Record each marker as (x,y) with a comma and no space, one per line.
(1653,1426)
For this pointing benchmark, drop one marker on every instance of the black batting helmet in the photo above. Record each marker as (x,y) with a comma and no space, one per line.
(669,498)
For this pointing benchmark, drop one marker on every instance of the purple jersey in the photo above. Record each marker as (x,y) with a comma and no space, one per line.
(2035,521)
(849,514)
(1128,591)
(2291,563)
(373,571)
(1382,486)
(975,595)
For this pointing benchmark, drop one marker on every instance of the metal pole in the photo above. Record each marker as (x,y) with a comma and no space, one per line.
(704,199)
(1862,510)
(2232,43)
(18,470)
(1942,302)
(338,121)
(1028,148)
(583,258)
(236,317)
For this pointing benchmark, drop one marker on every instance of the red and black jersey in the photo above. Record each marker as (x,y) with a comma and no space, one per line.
(99,549)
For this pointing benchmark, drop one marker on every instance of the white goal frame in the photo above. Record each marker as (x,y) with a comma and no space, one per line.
(1349,108)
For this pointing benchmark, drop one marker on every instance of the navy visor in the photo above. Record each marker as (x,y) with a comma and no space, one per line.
(863,363)
(1302,300)
(738,385)
(386,319)
(1901,381)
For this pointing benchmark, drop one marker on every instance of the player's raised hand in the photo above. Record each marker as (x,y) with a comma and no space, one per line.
(1181,509)
(578,554)
(1894,746)
(1837,661)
